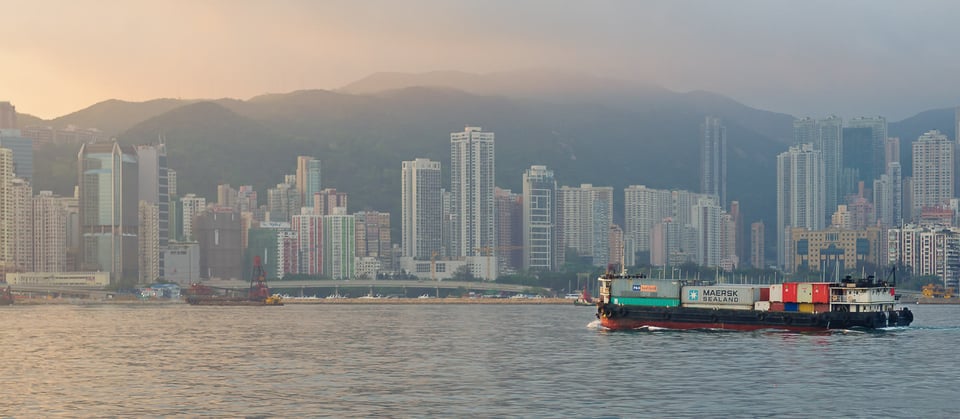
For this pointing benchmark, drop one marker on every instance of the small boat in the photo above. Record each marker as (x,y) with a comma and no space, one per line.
(584,299)
(6,296)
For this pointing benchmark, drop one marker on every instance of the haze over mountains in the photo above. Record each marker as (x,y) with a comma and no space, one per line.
(587,129)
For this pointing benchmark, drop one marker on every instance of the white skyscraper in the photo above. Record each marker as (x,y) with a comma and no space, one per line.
(192,206)
(831,148)
(539,219)
(50,233)
(642,208)
(22,223)
(585,215)
(472,185)
(800,194)
(932,171)
(713,159)
(421,209)
(707,221)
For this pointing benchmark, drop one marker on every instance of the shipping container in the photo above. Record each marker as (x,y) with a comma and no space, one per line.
(762,306)
(765,294)
(776,293)
(791,307)
(646,287)
(719,306)
(646,302)
(821,308)
(777,306)
(805,292)
(821,292)
(806,307)
(790,292)
(744,295)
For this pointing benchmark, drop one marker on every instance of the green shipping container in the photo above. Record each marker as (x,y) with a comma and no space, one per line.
(646,302)
(646,288)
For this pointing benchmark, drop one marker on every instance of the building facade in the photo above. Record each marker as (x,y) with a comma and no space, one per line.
(421,209)
(539,219)
(800,195)
(109,200)
(472,184)
(713,159)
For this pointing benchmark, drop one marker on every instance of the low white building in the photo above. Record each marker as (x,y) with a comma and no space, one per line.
(60,279)
(483,267)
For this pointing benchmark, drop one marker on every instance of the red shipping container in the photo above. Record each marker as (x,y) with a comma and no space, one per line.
(765,294)
(790,292)
(776,307)
(821,308)
(821,293)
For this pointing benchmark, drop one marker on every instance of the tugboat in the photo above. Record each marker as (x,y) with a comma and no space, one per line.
(584,299)
(6,296)
(635,301)
(257,295)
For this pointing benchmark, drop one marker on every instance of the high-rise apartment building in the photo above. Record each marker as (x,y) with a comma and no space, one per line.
(472,183)
(154,188)
(149,242)
(800,194)
(192,205)
(539,219)
(757,251)
(713,159)
(831,154)
(327,199)
(806,131)
(932,171)
(708,222)
(584,218)
(22,148)
(339,245)
(421,213)
(8,116)
(283,202)
(308,178)
(873,154)
(226,196)
(509,229)
(642,208)
(172,182)
(49,233)
(109,199)
(22,224)
(309,231)
(372,229)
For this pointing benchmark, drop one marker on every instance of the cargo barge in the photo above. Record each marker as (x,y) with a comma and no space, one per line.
(257,295)
(635,302)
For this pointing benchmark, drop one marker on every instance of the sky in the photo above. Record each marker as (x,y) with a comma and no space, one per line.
(805,58)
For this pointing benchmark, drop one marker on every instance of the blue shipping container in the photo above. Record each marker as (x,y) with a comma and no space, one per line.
(791,306)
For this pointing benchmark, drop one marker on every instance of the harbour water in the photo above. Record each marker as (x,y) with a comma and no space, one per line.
(457,361)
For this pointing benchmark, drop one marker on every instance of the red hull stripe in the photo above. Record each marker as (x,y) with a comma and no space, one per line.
(628,324)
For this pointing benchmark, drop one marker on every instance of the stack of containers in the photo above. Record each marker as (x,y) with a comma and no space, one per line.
(764,303)
(776,297)
(790,302)
(821,297)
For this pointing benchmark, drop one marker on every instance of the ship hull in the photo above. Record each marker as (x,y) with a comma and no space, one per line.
(227,301)
(618,317)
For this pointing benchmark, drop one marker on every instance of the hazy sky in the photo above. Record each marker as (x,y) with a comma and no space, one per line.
(803,57)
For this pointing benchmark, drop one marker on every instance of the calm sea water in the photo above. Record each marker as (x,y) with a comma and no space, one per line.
(457,361)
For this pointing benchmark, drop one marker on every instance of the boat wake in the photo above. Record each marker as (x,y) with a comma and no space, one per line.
(595,325)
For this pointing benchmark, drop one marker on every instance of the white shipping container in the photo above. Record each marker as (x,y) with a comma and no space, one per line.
(721,295)
(805,292)
(719,306)
(761,306)
(776,293)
